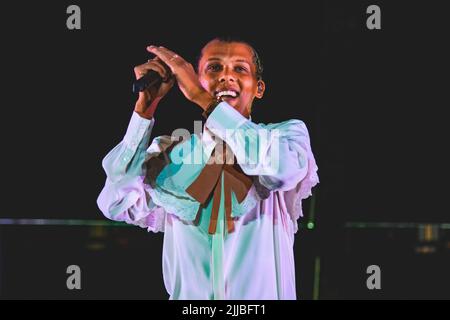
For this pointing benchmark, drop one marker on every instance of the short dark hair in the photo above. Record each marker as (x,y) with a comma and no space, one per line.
(228,39)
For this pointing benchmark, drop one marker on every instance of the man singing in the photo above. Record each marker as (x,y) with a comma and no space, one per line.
(227,198)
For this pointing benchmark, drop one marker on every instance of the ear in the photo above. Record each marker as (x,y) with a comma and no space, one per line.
(260,89)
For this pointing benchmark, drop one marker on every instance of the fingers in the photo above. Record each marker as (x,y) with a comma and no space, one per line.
(167,56)
(166,68)
(155,65)
(166,85)
(142,69)
(166,52)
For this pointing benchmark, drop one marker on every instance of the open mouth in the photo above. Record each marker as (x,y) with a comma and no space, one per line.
(226,94)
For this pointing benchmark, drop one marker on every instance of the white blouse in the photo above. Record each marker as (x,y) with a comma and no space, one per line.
(255,260)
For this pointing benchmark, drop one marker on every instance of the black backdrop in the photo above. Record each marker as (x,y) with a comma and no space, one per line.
(369,98)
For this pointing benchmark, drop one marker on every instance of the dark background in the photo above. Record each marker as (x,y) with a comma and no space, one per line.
(372,100)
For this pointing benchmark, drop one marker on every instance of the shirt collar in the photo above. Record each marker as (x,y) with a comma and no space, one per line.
(209,139)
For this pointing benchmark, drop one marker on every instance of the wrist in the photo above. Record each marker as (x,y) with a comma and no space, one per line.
(146,109)
(205,100)
(211,107)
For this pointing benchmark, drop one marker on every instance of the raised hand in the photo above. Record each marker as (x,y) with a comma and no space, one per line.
(185,75)
(148,99)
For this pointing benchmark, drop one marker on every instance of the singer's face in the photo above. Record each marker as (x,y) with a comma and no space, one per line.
(227,70)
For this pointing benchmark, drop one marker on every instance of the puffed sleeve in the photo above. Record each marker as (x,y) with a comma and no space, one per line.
(293,197)
(126,195)
(279,154)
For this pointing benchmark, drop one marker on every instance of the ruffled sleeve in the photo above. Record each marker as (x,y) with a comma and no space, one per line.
(293,198)
(126,195)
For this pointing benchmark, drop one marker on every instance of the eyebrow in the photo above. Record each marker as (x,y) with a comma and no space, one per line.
(238,60)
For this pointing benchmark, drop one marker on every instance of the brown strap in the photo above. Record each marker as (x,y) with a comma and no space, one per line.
(228,189)
(215,208)
(209,183)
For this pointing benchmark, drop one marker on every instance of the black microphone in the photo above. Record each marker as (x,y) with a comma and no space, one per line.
(151,78)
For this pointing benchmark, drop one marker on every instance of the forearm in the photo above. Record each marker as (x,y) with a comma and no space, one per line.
(146,109)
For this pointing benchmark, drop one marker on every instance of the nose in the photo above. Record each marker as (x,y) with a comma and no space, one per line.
(226,76)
